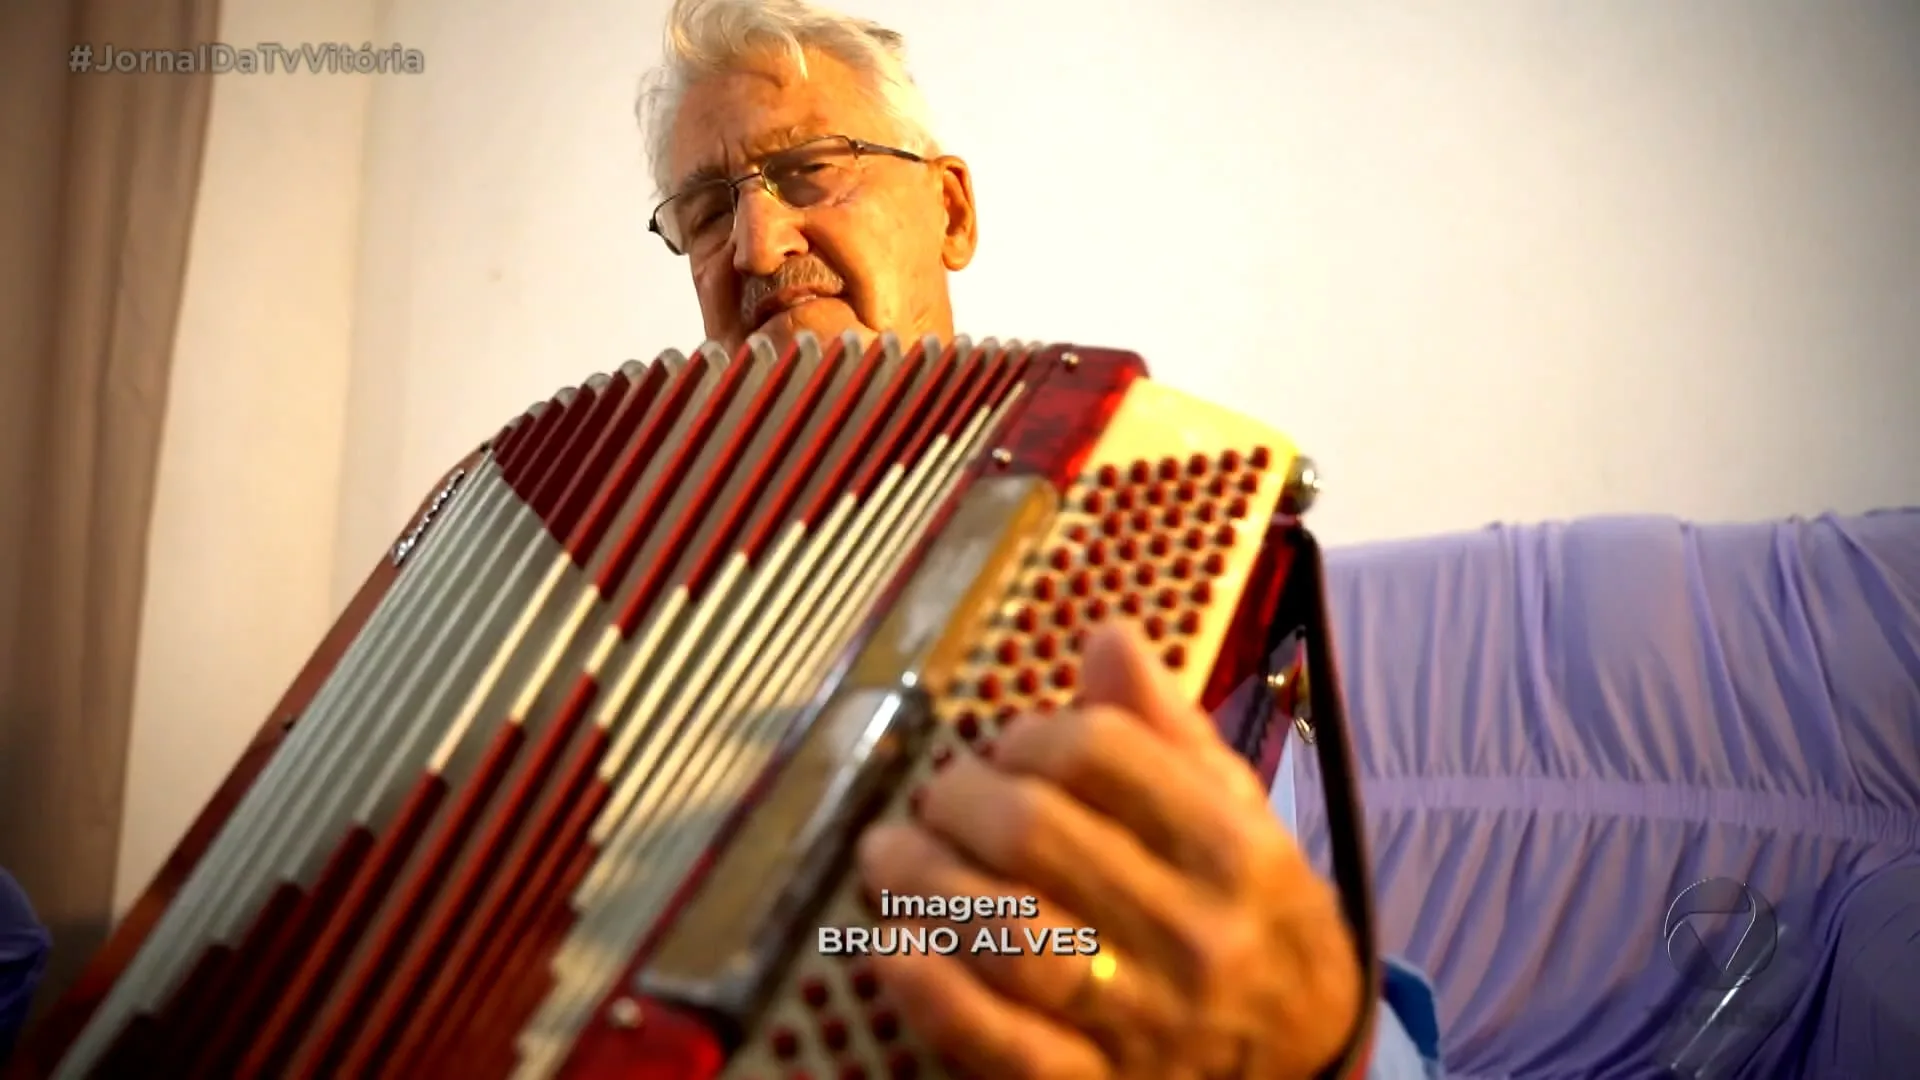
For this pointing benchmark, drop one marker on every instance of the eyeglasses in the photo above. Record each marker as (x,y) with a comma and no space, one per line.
(818,172)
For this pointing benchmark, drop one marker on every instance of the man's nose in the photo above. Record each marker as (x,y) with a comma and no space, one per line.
(766,232)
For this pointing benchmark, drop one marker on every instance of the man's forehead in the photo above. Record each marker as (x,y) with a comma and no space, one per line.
(728,122)
(723,158)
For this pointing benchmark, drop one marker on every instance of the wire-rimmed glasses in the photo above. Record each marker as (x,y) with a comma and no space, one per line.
(813,173)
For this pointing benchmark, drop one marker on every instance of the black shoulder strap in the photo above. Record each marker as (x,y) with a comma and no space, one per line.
(1301,613)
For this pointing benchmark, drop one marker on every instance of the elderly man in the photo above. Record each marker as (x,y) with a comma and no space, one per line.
(804,189)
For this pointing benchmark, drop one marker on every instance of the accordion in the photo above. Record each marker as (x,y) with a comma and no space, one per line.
(571,786)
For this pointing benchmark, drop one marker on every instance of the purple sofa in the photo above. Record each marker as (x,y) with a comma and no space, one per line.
(1563,727)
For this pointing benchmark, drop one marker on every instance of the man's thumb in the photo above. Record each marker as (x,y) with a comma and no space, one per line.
(1121,673)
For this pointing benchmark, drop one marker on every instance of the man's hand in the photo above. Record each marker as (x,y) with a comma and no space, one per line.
(1221,952)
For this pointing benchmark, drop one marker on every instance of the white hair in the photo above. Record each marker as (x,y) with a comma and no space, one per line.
(707,37)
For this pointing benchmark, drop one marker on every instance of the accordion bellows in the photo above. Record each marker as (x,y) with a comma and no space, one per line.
(572,784)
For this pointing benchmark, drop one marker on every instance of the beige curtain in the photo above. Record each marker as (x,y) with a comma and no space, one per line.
(97,180)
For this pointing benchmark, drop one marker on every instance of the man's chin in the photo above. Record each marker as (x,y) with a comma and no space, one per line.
(826,320)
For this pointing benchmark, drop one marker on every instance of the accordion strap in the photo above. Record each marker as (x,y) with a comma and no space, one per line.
(1302,608)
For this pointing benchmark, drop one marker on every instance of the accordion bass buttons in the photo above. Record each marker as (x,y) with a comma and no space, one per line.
(1158,522)
(723,955)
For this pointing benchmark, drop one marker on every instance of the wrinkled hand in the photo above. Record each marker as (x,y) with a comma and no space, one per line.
(1222,953)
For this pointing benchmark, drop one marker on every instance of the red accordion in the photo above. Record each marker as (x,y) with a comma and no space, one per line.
(572,784)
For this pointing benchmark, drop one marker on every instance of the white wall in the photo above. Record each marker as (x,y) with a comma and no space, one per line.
(1517,261)
(242,549)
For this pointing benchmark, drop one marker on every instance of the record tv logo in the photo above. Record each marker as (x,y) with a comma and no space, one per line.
(1720,934)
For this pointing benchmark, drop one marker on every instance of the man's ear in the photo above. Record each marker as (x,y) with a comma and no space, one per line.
(963,229)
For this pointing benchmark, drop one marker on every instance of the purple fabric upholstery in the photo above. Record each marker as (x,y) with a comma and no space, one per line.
(24,947)
(1561,727)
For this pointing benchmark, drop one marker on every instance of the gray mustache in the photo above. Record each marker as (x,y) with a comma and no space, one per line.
(801,273)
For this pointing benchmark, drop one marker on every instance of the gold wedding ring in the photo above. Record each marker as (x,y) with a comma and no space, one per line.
(1101,968)
(1099,1013)
(1100,972)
